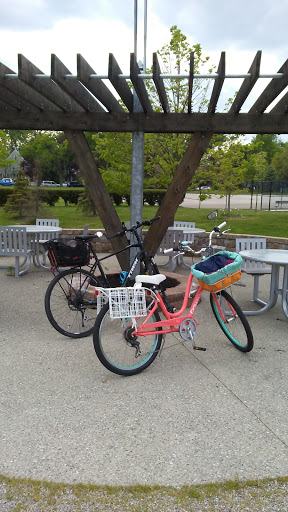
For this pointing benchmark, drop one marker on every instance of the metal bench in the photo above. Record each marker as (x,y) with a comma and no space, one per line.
(172,238)
(46,236)
(280,203)
(254,268)
(13,243)
(180,224)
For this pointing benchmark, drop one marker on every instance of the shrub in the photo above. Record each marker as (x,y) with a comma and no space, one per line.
(116,198)
(4,194)
(47,196)
(70,195)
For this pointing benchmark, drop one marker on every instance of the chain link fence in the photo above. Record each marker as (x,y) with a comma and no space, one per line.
(268,195)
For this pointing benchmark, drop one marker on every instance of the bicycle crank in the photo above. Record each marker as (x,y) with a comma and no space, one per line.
(187,331)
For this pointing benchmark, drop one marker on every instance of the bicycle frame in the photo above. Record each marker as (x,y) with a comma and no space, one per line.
(138,258)
(174,320)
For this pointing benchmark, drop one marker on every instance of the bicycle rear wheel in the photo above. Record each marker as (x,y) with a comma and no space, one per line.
(235,326)
(70,304)
(118,350)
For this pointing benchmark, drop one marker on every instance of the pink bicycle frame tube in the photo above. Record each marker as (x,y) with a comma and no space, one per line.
(173,320)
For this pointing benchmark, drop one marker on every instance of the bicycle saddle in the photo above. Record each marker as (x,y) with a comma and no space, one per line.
(155,279)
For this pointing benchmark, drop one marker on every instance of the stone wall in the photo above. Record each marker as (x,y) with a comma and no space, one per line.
(228,240)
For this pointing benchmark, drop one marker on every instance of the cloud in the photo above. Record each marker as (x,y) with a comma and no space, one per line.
(94,38)
(36,15)
(94,28)
(251,25)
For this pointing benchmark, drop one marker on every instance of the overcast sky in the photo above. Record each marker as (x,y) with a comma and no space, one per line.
(94,28)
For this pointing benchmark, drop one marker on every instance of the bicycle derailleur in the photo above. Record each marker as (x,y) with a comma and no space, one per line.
(132,340)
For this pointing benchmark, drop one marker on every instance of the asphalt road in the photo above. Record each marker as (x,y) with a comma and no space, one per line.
(241,201)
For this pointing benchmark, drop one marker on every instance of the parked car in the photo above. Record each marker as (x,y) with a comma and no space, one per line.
(49,184)
(75,184)
(7,182)
(204,187)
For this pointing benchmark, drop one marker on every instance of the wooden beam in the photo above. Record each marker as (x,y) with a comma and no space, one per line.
(25,92)
(14,101)
(45,86)
(247,85)
(72,86)
(159,84)
(139,85)
(99,193)
(273,89)
(120,84)
(154,123)
(190,83)
(96,86)
(5,105)
(281,107)
(217,85)
(177,189)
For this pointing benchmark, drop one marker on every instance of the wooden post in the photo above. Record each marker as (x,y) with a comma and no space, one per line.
(98,191)
(177,189)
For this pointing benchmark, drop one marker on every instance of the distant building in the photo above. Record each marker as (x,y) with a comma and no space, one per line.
(12,170)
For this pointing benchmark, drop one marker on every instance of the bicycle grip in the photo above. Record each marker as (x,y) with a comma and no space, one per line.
(120,233)
(222,225)
(166,251)
(149,222)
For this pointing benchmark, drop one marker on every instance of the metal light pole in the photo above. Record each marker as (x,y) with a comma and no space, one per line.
(137,171)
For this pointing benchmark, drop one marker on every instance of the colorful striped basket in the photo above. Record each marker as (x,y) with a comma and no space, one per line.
(222,278)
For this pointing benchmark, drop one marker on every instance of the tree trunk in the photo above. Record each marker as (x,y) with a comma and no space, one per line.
(177,189)
(98,191)
(229,203)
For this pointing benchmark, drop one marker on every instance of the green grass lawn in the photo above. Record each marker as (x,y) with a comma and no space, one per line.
(240,221)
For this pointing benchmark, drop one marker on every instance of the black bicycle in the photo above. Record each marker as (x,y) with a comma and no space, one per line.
(71,301)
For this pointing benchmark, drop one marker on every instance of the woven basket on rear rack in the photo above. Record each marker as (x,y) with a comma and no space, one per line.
(223,277)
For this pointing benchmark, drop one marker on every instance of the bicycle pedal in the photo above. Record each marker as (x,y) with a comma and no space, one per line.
(199,348)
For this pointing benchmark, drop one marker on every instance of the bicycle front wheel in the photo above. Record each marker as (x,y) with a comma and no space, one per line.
(70,304)
(235,325)
(118,350)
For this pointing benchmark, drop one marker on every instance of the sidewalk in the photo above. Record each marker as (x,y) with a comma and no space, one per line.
(191,417)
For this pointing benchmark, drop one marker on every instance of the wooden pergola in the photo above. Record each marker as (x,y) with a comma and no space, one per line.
(61,101)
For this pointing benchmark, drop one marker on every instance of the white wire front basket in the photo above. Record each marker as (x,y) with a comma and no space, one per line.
(127,302)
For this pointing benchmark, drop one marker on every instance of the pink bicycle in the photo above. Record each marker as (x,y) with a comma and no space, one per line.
(129,331)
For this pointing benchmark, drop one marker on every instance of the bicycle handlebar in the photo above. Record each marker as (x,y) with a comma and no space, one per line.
(185,245)
(133,228)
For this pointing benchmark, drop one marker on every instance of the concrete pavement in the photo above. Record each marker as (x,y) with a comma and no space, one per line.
(191,417)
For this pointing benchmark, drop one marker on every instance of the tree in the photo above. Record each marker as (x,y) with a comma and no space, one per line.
(20,202)
(4,153)
(280,163)
(51,152)
(270,174)
(19,137)
(86,204)
(163,152)
(229,167)
(258,166)
(268,143)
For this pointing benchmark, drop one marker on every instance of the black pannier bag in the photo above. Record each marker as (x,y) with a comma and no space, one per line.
(67,253)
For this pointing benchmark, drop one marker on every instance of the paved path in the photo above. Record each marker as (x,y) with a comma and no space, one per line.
(189,418)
